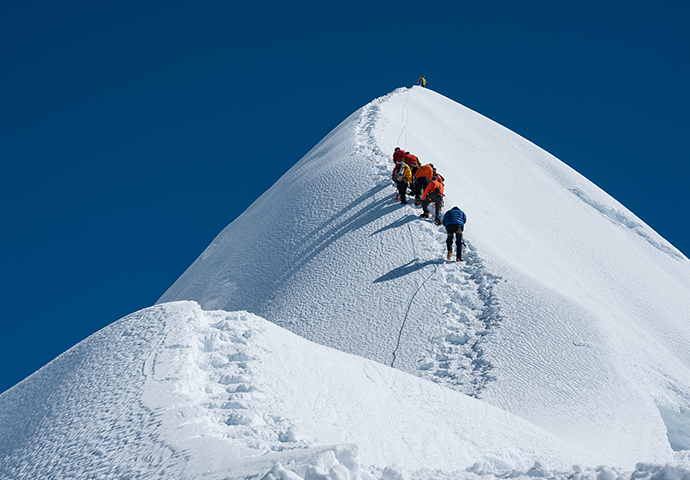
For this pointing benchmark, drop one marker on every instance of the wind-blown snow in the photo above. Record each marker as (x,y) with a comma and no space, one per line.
(177,392)
(240,388)
(568,325)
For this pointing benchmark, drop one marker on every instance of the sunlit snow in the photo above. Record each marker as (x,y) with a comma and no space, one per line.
(323,335)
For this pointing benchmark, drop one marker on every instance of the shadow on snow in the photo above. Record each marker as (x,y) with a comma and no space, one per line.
(406,269)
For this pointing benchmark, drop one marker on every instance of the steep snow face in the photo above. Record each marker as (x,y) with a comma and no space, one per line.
(570,312)
(568,324)
(176,392)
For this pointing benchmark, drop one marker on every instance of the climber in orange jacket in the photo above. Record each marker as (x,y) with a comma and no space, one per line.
(433,193)
(422,178)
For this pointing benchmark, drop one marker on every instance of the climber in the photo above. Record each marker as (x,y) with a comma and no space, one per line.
(402,177)
(422,81)
(413,162)
(421,180)
(433,194)
(398,154)
(454,220)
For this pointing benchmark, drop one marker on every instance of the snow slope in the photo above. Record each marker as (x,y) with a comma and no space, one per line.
(571,313)
(562,341)
(176,392)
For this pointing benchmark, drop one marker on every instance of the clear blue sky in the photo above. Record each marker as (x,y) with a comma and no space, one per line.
(133,132)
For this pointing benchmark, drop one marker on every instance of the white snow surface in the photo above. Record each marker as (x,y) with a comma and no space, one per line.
(323,335)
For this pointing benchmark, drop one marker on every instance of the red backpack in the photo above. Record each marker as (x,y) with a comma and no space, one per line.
(411,160)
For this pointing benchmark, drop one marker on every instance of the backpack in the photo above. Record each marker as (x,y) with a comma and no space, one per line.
(411,160)
(400,173)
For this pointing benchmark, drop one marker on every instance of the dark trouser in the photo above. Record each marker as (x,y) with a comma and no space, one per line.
(437,200)
(420,186)
(454,230)
(402,191)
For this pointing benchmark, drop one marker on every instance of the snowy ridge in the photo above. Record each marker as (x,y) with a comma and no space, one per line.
(455,357)
(84,416)
(620,218)
(183,393)
(562,341)
(229,395)
(550,318)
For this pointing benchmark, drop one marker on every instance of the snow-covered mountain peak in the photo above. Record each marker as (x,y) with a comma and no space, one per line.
(566,302)
(567,324)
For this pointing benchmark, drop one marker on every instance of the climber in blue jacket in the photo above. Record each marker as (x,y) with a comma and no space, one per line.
(454,220)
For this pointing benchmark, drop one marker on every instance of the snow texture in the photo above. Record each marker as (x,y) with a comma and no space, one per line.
(559,349)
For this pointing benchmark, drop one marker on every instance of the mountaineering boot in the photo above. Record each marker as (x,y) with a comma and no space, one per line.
(438,222)
(459,259)
(450,254)
(424,215)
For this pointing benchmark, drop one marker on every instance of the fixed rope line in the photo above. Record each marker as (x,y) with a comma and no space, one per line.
(404,120)
(409,307)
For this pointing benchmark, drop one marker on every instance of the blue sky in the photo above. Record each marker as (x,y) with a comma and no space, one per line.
(133,132)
